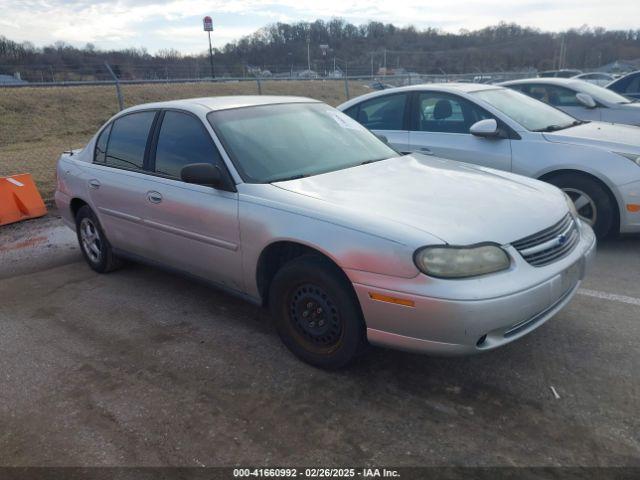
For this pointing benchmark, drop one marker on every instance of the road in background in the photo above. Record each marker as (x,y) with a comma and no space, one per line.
(141,367)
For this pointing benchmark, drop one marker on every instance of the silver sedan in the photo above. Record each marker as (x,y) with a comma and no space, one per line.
(580,99)
(289,203)
(597,164)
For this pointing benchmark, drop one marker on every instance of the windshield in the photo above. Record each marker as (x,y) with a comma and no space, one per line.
(528,112)
(601,93)
(270,143)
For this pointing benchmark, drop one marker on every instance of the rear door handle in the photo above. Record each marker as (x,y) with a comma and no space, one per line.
(154,197)
(93,183)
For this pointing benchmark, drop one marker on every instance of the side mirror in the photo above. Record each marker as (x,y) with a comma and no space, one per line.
(203,174)
(487,128)
(382,138)
(586,100)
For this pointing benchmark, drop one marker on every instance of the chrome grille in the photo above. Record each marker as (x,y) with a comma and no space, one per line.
(550,244)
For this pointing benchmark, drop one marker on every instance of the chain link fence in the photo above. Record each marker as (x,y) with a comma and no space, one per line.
(38,123)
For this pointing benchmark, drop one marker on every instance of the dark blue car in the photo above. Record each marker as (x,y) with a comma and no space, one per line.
(629,85)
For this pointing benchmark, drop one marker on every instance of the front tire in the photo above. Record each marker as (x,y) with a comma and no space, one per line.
(316,312)
(592,201)
(94,245)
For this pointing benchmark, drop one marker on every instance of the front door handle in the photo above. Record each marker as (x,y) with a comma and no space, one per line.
(426,151)
(93,183)
(154,197)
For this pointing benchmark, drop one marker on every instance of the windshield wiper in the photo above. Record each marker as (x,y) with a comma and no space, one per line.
(375,160)
(555,128)
(286,179)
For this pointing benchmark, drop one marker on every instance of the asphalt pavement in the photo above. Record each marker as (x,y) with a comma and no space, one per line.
(142,367)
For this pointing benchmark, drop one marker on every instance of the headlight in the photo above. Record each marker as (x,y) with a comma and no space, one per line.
(634,157)
(461,262)
(572,207)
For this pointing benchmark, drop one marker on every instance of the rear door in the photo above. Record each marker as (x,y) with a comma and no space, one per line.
(194,228)
(385,115)
(117,180)
(440,124)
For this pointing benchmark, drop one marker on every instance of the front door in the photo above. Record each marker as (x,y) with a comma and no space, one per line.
(440,127)
(195,227)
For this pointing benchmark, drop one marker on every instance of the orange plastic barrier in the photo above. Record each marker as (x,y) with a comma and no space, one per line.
(19,199)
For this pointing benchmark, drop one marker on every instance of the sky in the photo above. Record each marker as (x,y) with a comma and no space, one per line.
(155,25)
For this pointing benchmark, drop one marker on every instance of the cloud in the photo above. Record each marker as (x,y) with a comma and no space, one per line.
(161,24)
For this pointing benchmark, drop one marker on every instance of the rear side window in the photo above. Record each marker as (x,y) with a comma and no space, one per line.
(183,140)
(128,140)
(383,113)
(101,145)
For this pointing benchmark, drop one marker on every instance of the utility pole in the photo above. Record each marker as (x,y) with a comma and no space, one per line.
(308,54)
(385,62)
(371,65)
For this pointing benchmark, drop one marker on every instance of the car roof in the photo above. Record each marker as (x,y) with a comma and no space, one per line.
(223,103)
(452,87)
(546,80)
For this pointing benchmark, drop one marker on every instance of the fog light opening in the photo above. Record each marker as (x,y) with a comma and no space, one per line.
(481,341)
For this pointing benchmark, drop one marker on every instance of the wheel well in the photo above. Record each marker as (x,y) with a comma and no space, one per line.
(275,256)
(616,221)
(76,204)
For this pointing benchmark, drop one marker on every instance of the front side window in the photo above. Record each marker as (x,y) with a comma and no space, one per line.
(444,113)
(383,113)
(128,140)
(183,140)
(270,143)
(603,94)
(553,95)
(633,86)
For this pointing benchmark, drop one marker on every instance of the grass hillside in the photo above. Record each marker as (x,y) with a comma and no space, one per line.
(37,124)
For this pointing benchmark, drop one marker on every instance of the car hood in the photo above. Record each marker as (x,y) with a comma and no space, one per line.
(634,106)
(610,136)
(460,203)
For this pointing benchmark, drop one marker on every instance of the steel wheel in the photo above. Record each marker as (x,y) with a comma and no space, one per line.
(315,316)
(91,241)
(584,204)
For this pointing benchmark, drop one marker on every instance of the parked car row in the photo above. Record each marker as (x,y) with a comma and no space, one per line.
(407,221)
(595,163)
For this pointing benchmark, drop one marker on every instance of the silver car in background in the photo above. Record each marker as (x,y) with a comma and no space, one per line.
(597,164)
(580,99)
(597,78)
(289,203)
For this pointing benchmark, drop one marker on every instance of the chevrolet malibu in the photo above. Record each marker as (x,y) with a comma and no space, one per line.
(289,203)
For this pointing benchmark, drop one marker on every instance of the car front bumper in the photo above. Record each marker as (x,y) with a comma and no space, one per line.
(459,317)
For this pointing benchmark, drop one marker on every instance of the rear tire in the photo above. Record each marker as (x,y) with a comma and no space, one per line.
(593,202)
(95,247)
(316,312)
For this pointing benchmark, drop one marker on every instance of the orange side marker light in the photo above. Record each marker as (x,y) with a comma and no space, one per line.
(388,299)
(633,207)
